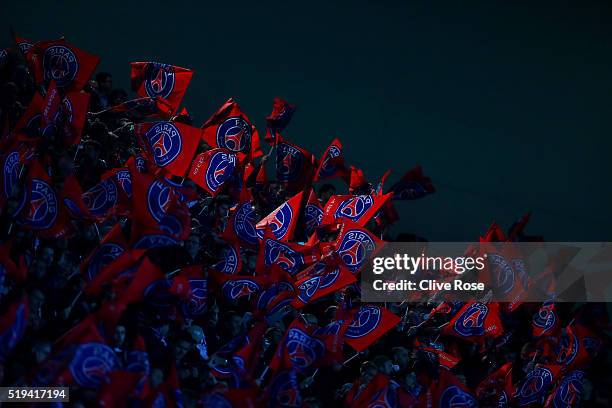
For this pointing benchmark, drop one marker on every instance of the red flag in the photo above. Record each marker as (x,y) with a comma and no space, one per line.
(240,226)
(448,391)
(357,180)
(110,248)
(313,214)
(546,322)
(61,62)
(369,324)
(229,128)
(579,347)
(498,383)
(568,392)
(445,359)
(102,199)
(289,256)
(167,83)
(357,208)
(413,185)
(534,388)
(40,208)
(247,357)
(294,165)
(211,169)
(30,122)
(233,287)
(122,179)
(278,119)
(170,145)
(331,163)
(475,321)
(301,347)
(126,263)
(326,279)
(282,220)
(145,107)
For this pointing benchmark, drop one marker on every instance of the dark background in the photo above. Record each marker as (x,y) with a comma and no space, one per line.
(506,105)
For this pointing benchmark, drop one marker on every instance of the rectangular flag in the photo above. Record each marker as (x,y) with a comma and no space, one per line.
(165,82)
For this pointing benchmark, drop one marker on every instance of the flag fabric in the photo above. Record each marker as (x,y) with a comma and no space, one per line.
(294,165)
(332,163)
(211,169)
(167,83)
(534,388)
(29,123)
(283,220)
(13,326)
(102,199)
(284,390)
(475,321)
(329,279)
(568,392)
(354,245)
(112,245)
(233,287)
(578,347)
(301,348)
(356,208)
(40,209)
(72,197)
(62,62)
(122,179)
(229,128)
(497,385)
(64,113)
(413,185)
(369,324)
(278,119)
(289,256)
(170,145)
(242,219)
(447,391)
(545,321)
(313,214)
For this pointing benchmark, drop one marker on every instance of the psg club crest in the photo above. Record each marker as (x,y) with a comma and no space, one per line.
(303,350)
(356,246)
(101,197)
(283,256)
(105,254)
(92,363)
(125,181)
(220,169)
(545,318)
(229,261)
(570,391)
(234,289)
(328,168)
(313,215)
(196,305)
(159,79)
(535,384)
(43,206)
(284,388)
(471,321)
(159,199)
(366,321)
(454,396)
(354,207)
(234,134)
(289,161)
(502,273)
(60,64)
(165,141)
(308,288)
(279,225)
(11,172)
(154,241)
(244,223)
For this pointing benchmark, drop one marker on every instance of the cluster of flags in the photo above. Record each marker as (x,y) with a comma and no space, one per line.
(307,251)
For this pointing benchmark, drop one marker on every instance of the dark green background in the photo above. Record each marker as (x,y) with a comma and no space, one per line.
(506,105)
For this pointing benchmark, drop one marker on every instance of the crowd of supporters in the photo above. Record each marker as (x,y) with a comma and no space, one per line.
(171,323)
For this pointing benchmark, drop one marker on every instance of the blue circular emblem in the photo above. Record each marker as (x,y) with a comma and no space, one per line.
(309,287)
(533,389)
(244,223)
(11,172)
(60,64)
(159,79)
(569,393)
(354,207)
(154,241)
(366,320)
(454,396)
(313,215)
(234,134)
(284,387)
(327,167)
(125,181)
(220,168)
(228,262)
(283,256)
(545,318)
(165,141)
(100,198)
(24,47)
(233,289)
(289,162)
(91,364)
(43,207)
(159,199)
(354,249)
(279,224)
(502,273)
(302,348)
(471,321)
(196,305)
